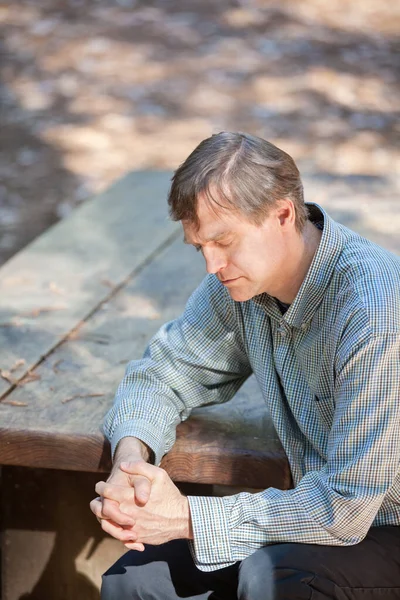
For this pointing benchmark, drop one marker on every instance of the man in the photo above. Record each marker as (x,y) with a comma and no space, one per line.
(313,310)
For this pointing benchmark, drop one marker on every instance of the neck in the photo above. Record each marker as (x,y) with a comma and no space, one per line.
(299,261)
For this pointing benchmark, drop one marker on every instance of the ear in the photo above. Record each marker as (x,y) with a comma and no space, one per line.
(286,213)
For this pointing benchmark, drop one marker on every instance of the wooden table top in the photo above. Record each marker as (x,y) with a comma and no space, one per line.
(80,302)
(84,298)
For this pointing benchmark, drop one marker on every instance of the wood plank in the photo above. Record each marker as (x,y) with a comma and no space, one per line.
(51,426)
(59,279)
(55,421)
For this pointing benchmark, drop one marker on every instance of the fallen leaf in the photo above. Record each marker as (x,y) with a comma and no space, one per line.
(15,322)
(82,396)
(53,287)
(14,403)
(17,364)
(15,280)
(29,377)
(38,311)
(6,375)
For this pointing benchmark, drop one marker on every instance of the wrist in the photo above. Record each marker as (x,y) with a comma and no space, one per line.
(186,528)
(130,449)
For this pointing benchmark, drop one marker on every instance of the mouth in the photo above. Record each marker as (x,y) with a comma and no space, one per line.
(228,281)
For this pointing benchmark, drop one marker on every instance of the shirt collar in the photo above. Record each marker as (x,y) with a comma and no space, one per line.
(313,288)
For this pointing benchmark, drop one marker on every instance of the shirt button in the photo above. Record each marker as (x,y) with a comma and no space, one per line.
(304,326)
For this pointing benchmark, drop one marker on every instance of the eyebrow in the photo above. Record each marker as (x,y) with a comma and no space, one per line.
(211,238)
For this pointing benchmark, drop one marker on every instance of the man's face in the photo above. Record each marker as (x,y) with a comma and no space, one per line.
(248,259)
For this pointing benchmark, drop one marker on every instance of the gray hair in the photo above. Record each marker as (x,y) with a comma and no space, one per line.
(246,172)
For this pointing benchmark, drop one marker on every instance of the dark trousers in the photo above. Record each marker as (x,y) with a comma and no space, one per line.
(368,571)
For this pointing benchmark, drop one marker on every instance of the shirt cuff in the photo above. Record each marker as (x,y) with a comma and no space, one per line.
(142,430)
(210,548)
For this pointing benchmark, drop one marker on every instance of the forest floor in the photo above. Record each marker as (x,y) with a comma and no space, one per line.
(92,89)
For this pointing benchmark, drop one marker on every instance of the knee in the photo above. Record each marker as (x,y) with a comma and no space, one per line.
(119,586)
(256,577)
(115,586)
(291,571)
(110,587)
(274,573)
(124,581)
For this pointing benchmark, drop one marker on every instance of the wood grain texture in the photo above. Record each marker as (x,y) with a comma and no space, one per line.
(202,454)
(232,444)
(120,243)
(59,279)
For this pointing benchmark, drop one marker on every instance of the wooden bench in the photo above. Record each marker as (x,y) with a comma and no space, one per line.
(75,306)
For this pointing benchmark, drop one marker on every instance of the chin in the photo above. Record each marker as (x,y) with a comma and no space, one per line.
(241,295)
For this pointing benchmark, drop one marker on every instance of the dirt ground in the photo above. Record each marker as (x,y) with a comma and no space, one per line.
(92,89)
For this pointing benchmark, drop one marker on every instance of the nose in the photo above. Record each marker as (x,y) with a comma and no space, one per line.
(215,260)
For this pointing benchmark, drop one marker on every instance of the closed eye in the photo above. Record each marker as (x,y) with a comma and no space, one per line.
(199,248)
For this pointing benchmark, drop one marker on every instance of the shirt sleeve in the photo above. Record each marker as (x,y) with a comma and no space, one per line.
(337,504)
(194,360)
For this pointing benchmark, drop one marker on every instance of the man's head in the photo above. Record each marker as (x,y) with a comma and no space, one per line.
(240,200)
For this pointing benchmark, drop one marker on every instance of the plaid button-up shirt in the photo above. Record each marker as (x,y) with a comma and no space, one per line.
(329,371)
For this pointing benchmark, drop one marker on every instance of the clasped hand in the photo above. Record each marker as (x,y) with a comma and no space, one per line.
(139,504)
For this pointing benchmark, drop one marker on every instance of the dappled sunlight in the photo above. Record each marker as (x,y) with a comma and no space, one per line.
(358,92)
(90,94)
(378,17)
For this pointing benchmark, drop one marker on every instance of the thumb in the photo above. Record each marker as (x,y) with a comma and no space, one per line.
(142,487)
(140,467)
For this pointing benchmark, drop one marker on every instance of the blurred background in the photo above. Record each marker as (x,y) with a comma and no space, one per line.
(92,89)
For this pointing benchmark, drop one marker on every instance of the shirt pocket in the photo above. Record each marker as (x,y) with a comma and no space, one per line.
(325,408)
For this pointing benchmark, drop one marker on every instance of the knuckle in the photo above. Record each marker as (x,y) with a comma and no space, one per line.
(104,525)
(107,489)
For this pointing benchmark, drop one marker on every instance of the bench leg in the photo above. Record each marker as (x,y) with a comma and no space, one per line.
(52,545)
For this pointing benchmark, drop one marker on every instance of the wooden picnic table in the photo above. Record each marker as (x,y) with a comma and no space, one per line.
(75,306)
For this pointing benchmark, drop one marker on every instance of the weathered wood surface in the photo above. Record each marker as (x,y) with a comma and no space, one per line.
(49,287)
(55,420)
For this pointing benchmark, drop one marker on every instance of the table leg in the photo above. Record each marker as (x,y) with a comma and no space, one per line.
(52,545)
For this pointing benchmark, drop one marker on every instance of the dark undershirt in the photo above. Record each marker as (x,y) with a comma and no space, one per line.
(283,307)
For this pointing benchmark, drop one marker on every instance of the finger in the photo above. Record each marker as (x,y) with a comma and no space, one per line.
(117,532)
(111,491)
(141,468)
(142,487)
(95,507)
(135,546)
(111,528)
(112,511)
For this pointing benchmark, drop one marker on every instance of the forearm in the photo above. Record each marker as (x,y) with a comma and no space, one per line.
(131,448)
(229,529)
(195,360)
